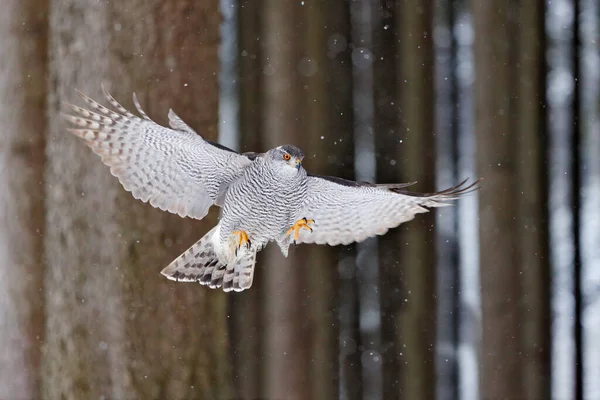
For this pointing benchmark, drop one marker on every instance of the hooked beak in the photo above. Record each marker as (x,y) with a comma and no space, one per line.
(298,163)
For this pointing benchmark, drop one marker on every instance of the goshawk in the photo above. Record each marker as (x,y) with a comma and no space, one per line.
(263,197)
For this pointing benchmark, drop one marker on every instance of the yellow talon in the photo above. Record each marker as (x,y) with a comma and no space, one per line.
(300,224)
(242,239)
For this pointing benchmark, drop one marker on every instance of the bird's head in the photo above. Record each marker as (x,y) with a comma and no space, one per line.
(287,155)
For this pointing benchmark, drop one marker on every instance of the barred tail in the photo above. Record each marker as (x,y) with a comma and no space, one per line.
(241,275)
(200,264)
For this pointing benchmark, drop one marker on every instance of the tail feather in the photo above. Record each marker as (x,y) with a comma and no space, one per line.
(241,275)
(214,279)
(196,264)
(200,264)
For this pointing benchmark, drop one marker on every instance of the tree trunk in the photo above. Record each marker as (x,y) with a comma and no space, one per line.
(285,308)
(115,327)
(388,151)
(417,255)
(327,104)
(501,370)
(406,152)
(337,159)
(246,326)
(532,183)
(23,72)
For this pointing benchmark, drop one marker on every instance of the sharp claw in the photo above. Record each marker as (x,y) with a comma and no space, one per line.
(298,226)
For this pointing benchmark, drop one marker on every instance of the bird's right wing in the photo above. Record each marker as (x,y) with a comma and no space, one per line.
(346,211)
(174,169)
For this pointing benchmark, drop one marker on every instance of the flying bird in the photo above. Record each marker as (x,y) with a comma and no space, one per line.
(264,197)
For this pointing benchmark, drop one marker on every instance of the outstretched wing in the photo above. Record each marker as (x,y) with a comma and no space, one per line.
(346,211)
(174,169)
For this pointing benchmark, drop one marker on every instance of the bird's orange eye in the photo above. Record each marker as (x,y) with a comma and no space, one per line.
(286,157)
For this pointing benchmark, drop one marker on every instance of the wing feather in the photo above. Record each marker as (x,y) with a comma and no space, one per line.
(173,169)
(347,211)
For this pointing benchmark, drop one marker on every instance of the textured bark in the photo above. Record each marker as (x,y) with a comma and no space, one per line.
(23,72)
(115,327)
(501,365)
(532,184)
(246,312)
(286,358)
(417,320)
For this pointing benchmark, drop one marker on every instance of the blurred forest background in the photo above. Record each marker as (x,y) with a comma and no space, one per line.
(496,298)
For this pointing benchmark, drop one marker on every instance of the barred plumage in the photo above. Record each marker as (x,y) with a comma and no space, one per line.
(264,197)
(174,170)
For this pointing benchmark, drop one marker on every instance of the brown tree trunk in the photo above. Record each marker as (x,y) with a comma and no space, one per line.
(501,365)
(115,327)
(327,105)
(285,305)
(320,266)
(532,189)
(23,72)
(406,152)
(417,252)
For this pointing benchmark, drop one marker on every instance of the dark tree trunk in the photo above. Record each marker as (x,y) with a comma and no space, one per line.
(417,320)
(406,152)
(23,73)
(326,75)
(246,312)
(532,187)
(387,148)
(285,319)
(501,374)
(338,144)
(115,327)
(576,170)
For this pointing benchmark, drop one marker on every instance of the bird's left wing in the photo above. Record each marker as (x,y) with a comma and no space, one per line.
(173,169)
(347,211)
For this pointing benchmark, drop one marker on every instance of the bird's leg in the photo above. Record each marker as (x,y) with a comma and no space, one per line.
(302,223)
(242,240)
